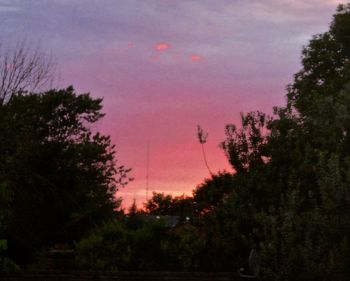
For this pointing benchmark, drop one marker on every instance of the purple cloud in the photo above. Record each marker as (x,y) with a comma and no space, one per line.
(214,60)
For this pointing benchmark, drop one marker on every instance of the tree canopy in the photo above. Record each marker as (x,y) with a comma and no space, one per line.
(62,175)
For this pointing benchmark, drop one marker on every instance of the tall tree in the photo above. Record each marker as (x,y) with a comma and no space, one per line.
(325,67)
(63,176)
(292,170)
(306,238)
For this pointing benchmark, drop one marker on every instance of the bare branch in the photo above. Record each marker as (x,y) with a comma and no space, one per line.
(24,69)
(202,137)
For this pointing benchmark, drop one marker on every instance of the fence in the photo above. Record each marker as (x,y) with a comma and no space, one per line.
(118,276)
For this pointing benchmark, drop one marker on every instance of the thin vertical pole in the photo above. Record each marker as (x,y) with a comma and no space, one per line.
(147,171)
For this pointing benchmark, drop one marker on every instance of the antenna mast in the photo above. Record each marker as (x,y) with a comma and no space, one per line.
(147,171)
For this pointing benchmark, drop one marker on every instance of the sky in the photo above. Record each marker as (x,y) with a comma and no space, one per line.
(165,66)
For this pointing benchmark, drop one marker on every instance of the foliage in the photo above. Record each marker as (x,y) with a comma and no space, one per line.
(50,156)
(6,264)
(115,246)
(161,204)
(245,147)
(326,66)
(305,236)
(189,248)
(105,248)
(311,244)
(210,193)
(288,197)
(5,199)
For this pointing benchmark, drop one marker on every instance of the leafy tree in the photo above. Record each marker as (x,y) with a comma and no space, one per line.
(245,147)
(106,248)
(312,243)
(6,264)
(306,237)
(209,194)
(325,68)
(161,204)
(190,246)
(290,199)
(62,175)
(114,246)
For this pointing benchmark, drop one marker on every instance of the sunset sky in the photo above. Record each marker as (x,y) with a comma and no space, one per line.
(165,66)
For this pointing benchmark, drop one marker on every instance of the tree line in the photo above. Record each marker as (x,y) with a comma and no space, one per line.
(288,198)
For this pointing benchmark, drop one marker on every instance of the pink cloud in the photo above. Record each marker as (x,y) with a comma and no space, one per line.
(196,58)
(162,46)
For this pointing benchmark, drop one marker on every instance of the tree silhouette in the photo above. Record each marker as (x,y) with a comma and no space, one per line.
(24,68)
(202,138)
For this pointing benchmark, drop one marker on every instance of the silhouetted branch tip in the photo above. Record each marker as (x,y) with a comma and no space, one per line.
(202,136)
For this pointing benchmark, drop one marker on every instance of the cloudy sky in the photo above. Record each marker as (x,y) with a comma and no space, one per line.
(165,66)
